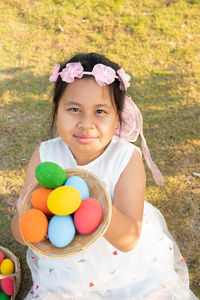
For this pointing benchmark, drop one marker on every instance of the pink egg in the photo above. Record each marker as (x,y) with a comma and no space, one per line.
(88,216)
(7,286)
(2,256)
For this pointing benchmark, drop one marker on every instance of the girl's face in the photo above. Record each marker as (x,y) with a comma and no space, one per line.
(86,119)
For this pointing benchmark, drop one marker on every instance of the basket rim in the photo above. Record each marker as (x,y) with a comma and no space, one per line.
(33,246)
(16,276)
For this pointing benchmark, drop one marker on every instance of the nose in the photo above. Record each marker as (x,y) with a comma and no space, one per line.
(86,121)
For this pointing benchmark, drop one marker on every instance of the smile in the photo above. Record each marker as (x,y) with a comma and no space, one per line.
(85,139)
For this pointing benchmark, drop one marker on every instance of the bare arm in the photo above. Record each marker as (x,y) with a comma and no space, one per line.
(29,181)
(127,211)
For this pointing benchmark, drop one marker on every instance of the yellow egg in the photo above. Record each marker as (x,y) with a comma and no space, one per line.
(64,200)
(7,266)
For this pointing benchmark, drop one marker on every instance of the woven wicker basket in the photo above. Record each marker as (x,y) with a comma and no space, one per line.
(80,242)
(16,276)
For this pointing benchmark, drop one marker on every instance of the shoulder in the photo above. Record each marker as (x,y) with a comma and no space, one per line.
(30,171)
(132,179)
(123,154)
(115,160)
(37,158)
(122,145)
(51,142)
(130,188)
(133,173)
(48,149)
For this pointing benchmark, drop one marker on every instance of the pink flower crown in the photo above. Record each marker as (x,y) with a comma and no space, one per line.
(103,74)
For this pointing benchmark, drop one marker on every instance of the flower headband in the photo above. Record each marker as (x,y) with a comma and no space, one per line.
(131,118)
(102,73)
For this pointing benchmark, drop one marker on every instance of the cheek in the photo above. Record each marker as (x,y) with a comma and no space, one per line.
(61,116)
(65,123)
(110,124)
(60,122)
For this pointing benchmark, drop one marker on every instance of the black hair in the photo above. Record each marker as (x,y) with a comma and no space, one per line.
(88,61)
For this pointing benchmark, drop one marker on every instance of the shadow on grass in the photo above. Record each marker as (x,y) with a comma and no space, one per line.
(24,84)
(25,120)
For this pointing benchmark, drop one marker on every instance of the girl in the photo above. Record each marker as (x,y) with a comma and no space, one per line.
(137,258)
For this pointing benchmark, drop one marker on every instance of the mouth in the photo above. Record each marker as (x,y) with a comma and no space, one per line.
(85,139)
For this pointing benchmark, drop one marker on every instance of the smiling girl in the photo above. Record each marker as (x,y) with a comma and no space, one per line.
(136,258)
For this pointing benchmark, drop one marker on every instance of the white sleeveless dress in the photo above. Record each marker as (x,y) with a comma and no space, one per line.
(153,270)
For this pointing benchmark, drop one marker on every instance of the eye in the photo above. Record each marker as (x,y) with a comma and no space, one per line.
(75,109)
(100,111)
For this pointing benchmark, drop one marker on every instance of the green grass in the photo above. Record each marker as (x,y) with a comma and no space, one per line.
(157,43)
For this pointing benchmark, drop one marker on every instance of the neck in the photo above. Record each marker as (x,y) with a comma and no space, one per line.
(83,158)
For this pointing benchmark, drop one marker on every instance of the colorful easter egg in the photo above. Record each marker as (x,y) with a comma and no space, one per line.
(88,216)
(39,200)
(7,266)
(7,286)
(50,175)
(61,230)
(2,256)
(3,296)
(78,183)
(64,200)
(34,225)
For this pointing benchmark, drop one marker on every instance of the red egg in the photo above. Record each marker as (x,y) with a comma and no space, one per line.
(88,216)
(2,256)
(7,286)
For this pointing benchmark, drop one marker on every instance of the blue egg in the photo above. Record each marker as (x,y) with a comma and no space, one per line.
(79,184)
(61,230)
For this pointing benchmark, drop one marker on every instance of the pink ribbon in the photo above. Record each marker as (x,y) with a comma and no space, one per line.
(131,127)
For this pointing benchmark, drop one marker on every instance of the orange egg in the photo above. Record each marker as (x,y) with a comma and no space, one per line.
(34,225)
(39,200)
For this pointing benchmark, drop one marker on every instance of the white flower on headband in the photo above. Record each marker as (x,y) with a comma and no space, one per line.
(71,71)
(103,74)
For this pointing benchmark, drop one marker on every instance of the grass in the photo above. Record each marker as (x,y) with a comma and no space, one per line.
(157,43)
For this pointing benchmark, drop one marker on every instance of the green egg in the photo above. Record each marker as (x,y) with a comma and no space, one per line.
(50,175)
(3,296)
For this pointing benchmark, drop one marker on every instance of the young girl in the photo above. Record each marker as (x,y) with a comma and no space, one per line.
(136,258)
